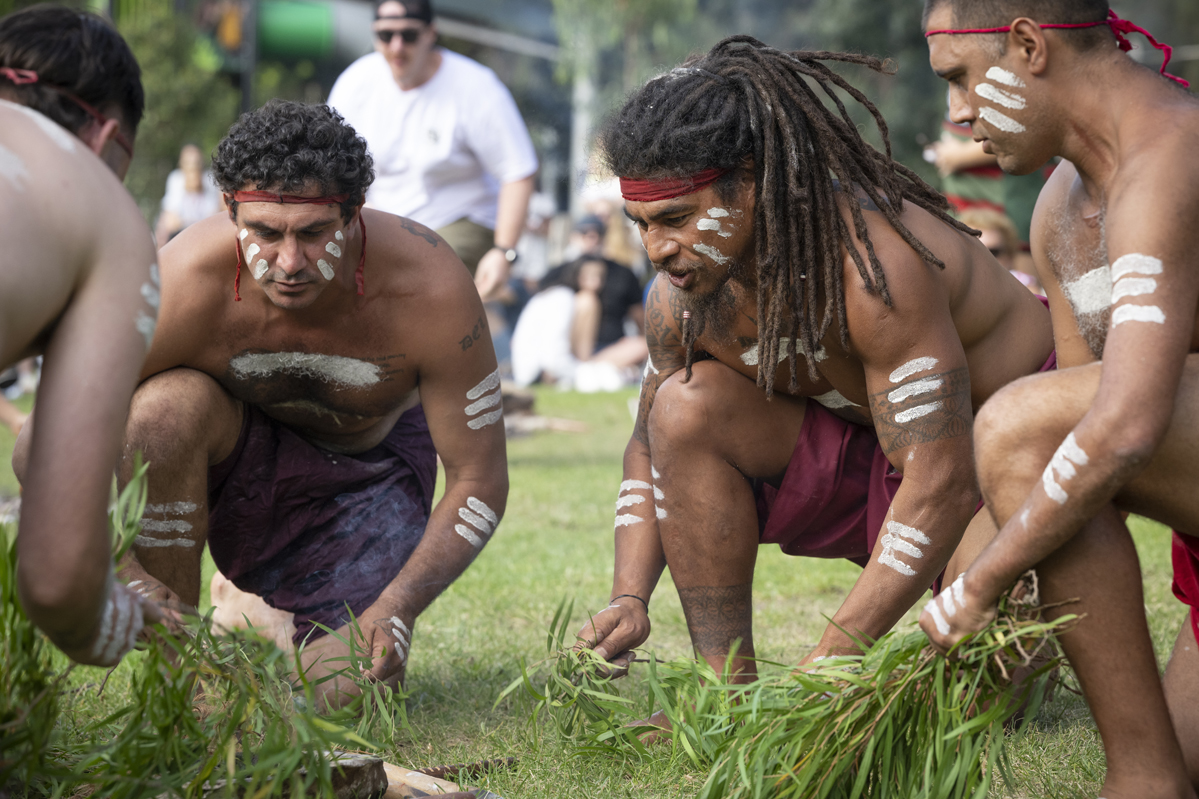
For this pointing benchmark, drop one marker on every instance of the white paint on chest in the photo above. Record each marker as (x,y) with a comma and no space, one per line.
(713,253)
(834,399)
(12,168)
(1001,75)
(1000,120)
(750,356)
(335,369)
(484,389)
(1091,293)
(1061,467)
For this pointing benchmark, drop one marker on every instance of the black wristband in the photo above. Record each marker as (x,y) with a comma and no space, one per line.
(634,596)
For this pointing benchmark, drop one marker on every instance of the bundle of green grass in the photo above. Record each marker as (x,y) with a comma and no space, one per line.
(208,714)
(898,721)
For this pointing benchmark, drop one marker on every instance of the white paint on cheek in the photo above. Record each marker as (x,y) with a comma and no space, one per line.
(1138,313)
(251,251)
(915,389)
(260,268)
(713,224)
(12,168)
(912,367)
(333,249)
(938,619)
(1134,263)
(999,96)
(1068,455)
(713,253)
(999,120)
(912,414)
(1000,75)
(326,268)
(1091,293)
(834,399)
(338,235)
(661,512)
(654,473)
(718,213)
(242,234)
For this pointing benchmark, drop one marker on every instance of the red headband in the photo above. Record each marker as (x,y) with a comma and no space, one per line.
(1118,26)
(648,191)
(21,77)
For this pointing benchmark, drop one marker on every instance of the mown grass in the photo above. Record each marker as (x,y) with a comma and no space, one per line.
(555,542)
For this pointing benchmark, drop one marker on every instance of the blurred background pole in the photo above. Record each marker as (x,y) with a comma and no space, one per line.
(582,117)
(249,53)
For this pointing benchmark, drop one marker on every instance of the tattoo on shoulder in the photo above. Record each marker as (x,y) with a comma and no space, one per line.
(666,355)
(419,230)
(923,409)
(474,335)
(390,364)
(717,615)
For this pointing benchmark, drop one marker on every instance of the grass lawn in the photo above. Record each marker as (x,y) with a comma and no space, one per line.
(555,542)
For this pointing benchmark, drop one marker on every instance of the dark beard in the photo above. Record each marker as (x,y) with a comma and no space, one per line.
(713,313)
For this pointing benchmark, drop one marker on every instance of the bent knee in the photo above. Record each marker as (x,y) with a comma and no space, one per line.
(686,408)
(1018,428)
(181,410)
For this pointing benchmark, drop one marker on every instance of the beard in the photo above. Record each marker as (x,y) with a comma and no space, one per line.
(714,312)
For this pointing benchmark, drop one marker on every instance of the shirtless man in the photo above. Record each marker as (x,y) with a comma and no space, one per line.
(874,304)
(78,284)
(1115,242)
(303,344)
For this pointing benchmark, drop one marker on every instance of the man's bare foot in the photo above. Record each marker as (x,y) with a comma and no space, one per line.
(234,609)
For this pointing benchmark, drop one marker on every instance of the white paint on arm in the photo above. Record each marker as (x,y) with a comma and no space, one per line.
(914,366)
(1126,284)
(335,369)
(1061,467)
(902,538)
(482,518)
(1138,313)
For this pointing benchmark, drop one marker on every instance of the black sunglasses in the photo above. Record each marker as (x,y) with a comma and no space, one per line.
(407,35)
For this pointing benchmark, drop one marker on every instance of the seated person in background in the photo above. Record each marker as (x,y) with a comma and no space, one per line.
(999,235)
(280,408)
(191,195)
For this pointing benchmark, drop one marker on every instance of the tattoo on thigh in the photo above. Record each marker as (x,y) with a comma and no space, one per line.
(470,338)
(717,616)
(923,409)
(419,230)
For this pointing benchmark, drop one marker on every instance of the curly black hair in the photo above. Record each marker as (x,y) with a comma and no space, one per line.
(288,147)
(745,104)
(73,51)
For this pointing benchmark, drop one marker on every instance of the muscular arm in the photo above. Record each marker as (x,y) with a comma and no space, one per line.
(639,555)
(919,389)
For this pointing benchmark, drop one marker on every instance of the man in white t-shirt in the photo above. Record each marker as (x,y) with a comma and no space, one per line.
(450,148)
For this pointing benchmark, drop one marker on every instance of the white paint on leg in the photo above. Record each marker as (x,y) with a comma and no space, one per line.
(914,366)
(173,508)
(169,526)
(148,541)
(1000,75)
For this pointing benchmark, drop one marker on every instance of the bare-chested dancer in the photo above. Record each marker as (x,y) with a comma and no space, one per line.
(309,358)
(883,325)
(79,285)
(1115,242)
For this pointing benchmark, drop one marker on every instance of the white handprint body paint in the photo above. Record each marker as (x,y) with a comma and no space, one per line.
(903,539)
(485,395)
(1061,468)
(1132,277)
(483,521)
(628,499)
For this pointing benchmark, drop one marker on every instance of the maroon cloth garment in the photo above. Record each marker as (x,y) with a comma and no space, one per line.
(1185,556)
(311,531)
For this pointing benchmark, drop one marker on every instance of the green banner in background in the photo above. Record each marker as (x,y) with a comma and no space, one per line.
(288,29)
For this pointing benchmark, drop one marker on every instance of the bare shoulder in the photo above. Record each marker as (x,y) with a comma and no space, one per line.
(201,261)
(413,261)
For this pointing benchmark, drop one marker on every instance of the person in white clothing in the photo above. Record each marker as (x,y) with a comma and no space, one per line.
(450,148)
(191,195)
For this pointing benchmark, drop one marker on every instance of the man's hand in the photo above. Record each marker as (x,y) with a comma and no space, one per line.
(615,631)
(169,609)
(387,636)
(491,275)
(125,614)
(955,614)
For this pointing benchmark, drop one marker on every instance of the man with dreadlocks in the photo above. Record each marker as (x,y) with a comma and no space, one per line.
(1060,455)
(784,241)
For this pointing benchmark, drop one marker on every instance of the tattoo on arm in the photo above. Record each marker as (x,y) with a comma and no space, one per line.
(419,230)
(666,353)
(390,364)
(470,338)
(923,409)
(717,615)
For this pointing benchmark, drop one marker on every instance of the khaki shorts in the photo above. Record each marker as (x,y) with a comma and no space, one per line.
(469,240)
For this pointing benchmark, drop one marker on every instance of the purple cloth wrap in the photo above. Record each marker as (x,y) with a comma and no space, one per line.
(311,531)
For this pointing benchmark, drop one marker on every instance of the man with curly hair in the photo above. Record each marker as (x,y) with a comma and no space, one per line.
(79,284)
(313,359)
(820,332)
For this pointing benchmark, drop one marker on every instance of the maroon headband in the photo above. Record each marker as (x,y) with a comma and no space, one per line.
(648,191)
(1118,26)
(21,77)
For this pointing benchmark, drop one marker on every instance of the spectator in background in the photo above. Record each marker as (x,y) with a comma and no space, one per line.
(450,148)
(191,195)
(1000,237)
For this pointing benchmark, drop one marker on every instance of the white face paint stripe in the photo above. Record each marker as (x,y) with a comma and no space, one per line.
(910,533)
(469,535)
(654,472)
(488,383)
(178,508)
(999,96)
(912,367)
(629,500)
(489,401)
(329,368)
(1000,75)
(713,253)
(242,234)
(480,507)
(1091,293)
(999,120)
(1138,313)
(903,417)
(260,268)
(915,389)
(625,519)
(834,399)
(658,493)
(1134,263)
(485,420)
(146,541)
(333,249)
(635,485)
(661,512)
(327,271)
(938,619)
(251,251)
(1068,455)
(338,235)
(718,213)
(1133,287)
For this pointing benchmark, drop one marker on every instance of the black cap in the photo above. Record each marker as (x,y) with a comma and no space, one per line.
(413,9)
(590,222)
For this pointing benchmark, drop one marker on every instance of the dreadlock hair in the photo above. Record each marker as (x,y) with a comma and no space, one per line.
(997,13)
(746,102)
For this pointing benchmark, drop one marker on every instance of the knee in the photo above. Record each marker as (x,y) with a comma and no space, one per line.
(685,410)
(176,411)
(1011,430)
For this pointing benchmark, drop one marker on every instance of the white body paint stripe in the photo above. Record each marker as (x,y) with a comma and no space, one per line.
(946,598)
(329,368)
(478,521)
(658,493)
(959,590)
(326,268)
(172,526)
(911,414)
(938,619)
(1133,287)
(911,533)
(999,96)
(750,356)
(717,213)
(1001,75)
(635,485)
(339,236)
(1138,313)
(713,253)
(333,249)
(469,535)
(999,120)
(915,389)
(398,622)
(488,383)
(173,507)
(242,235)
(251,251)
(629,500)
(654,472)
(661,512)
(480,507)
(1068,455)
(894,542)
(912,367)
(1134,263)
(489,401)
(887,559)
(625,519)
(146,541)
(260,268)
(485,420)
(834,399)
